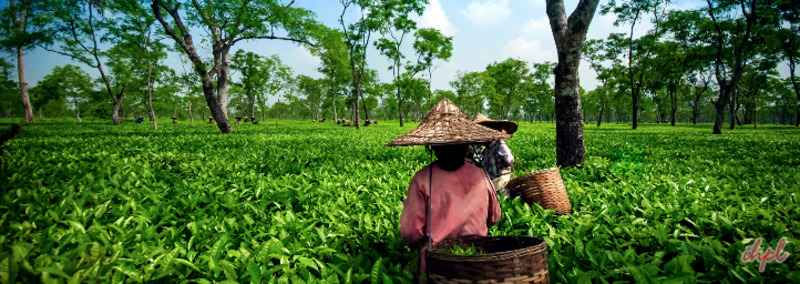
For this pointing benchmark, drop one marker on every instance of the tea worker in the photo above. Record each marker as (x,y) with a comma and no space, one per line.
(496,158)
(450,197)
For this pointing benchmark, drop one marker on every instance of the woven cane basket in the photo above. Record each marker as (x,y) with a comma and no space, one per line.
(544,187)
(502,260)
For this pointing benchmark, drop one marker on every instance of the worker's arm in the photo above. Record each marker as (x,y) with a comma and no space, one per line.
(412,220)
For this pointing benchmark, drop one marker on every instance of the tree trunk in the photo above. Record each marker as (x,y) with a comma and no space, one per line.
(21,18)
(673,103)
(116,111)
(253,106)
(398,92)
(796,87)
(213,105)
(355,94)
(695,108)
(400,108)
(189,108)
(364,105)
(77,109)
(151,112)
(569,121)
(569,36)
(23,85)
(335,114)
(600,115)
(183,38)
(732,107)
(755,111)
(222,81)
(719,106)
(631,78)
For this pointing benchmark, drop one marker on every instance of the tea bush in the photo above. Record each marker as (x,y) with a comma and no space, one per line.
(293,201)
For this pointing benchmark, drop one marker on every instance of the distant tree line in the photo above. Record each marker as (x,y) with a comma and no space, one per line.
(718,62)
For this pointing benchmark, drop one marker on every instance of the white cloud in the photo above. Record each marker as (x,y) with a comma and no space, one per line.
(531,49)
(434,17)
(487,12)
(537,26)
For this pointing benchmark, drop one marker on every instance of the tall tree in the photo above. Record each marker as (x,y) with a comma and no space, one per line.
(257,75)
(595,54)
(65,87)
(430,44)
(569,35)
(24,29)
(631,11)
(312,90)
(731,43)
(135,33)
(508,77)
(188,87)
(394,36)
(472,89)
(80,31)
(539,102)
(335,66)
(227,23)
(369,18)
(790,37)
(700,80)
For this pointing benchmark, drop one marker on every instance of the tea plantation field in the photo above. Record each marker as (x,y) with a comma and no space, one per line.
(296,201)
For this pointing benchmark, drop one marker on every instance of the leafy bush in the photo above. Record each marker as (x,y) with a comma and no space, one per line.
(299,201)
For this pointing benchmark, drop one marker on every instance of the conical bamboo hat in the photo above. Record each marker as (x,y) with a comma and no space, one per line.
(509,126)
(446,124)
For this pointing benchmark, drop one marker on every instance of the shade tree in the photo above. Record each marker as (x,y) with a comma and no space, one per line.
(226,23)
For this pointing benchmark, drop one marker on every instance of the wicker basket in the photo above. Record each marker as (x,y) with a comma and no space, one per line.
(504,260)
(544,187)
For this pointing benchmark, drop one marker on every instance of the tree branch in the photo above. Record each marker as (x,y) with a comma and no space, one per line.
(207,21)
(272,36)
(186,42)
(558,19)
(579,20)
(82,60)
(238,21)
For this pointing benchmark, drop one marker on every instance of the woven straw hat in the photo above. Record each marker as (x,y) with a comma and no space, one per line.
(446,124)
(509,126)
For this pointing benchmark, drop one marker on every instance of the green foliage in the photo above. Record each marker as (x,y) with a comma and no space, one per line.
(508,77)
(64,90)
(465,250)
(9,92)
(260,78)
(472,89)
(26,25)
(430,44)
(301,201)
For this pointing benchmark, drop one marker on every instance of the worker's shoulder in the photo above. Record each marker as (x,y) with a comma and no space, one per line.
(472,172)
(470,166)
(423,172)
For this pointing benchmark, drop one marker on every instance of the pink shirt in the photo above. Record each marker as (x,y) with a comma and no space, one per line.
(464,203)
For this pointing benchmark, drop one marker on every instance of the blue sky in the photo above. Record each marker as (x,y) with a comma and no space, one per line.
(483,31)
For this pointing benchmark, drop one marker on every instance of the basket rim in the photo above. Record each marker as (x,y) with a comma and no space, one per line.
(544,170)
(503,255)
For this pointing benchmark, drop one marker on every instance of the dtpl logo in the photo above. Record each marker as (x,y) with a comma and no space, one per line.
(753,253)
